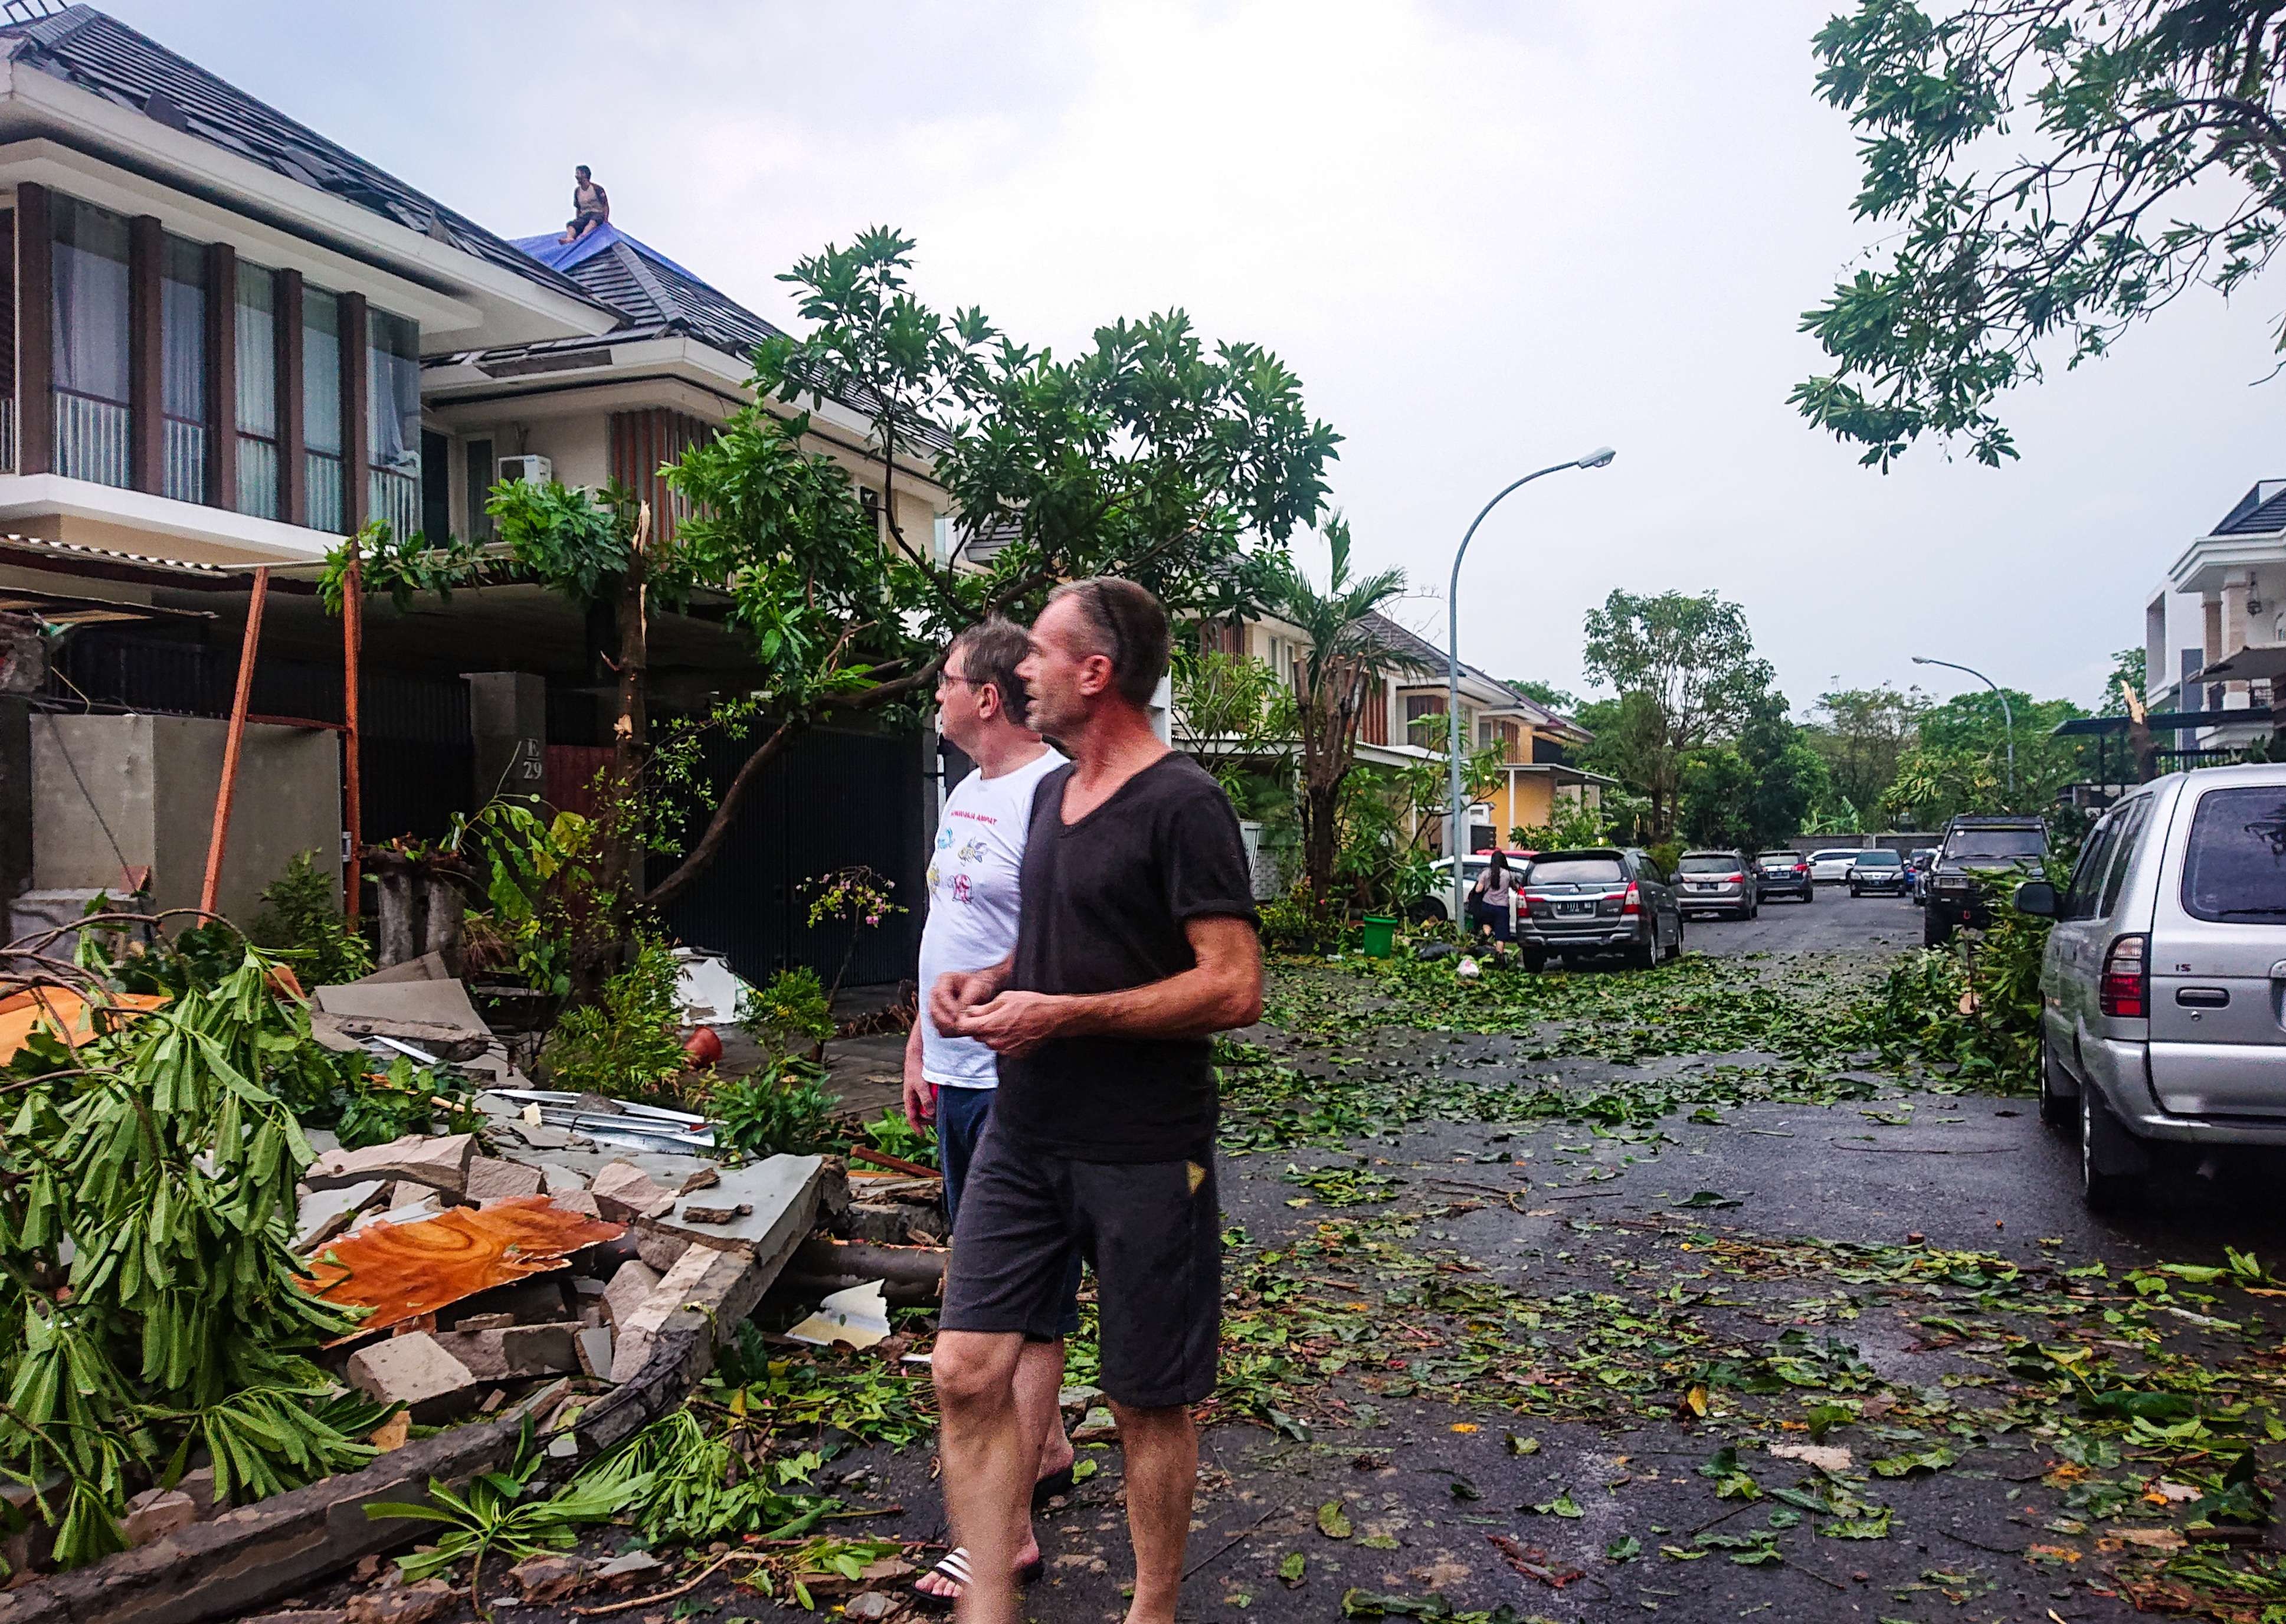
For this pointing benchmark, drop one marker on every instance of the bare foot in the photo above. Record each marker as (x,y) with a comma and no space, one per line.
(944,1580)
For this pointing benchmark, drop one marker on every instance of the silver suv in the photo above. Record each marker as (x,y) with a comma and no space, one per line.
(2163,988)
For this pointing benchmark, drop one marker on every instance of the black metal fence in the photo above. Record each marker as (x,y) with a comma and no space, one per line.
(832,800)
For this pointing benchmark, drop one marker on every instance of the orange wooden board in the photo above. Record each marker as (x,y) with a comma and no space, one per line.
(402,1271)
(58,1010)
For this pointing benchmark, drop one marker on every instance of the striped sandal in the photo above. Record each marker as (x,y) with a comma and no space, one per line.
(953,1565)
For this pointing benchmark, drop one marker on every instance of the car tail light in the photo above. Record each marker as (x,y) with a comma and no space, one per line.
(1632,902)
(1734,880)
(2125,990)
(1801,868)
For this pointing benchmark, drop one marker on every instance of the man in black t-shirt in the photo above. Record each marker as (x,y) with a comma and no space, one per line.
(1135,944)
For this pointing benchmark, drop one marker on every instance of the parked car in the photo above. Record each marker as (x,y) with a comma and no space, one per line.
(1784,873)
(1974,846)
(1878,871)
(1831,867)
(1437,903)
(1918,863)
(1718,882)
(2160,984)
(1598,900)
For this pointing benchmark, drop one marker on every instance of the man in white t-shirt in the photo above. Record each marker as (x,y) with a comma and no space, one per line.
(973,897)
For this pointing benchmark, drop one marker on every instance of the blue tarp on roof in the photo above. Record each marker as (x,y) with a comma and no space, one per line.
(558,255)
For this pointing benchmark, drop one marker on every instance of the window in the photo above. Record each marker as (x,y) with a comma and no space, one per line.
(1576,872)
(2235,865)
(322,406)
(480,490)
(258,391)
(393,421)
(94,420)
(183,370)
(2131,829)
(1996,843)
(1701,863)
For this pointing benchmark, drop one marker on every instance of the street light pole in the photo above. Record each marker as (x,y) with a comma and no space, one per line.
(2007,717)
(1457,812)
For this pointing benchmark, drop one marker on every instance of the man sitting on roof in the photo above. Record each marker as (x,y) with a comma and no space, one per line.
(591,206)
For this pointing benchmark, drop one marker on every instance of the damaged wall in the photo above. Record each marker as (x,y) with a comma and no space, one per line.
(148,784)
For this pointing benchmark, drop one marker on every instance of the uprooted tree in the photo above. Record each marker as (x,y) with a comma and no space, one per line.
(2155,161)
(1148,455)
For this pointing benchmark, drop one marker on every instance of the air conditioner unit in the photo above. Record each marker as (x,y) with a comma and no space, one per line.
(527,470)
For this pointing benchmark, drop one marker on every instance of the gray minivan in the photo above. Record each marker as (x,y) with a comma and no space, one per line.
(2164,987)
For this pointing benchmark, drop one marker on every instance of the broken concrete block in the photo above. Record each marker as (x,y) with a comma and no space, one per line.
(325,1213)
(594,1345)
(489,1178)
(539,1300)
(627,1192)
(693,1213)
(514,1351)
(437,1163)
(663,1248)
(625,1291)
(699,1281)
(388,1603)
(581,1201)
(551,1579)
(871,1606)
(626,1569)
(1081,1399)
(557,1182)
(155,1512)
(485,1322)
(413,1371)
(1099,1426)
(774,1194)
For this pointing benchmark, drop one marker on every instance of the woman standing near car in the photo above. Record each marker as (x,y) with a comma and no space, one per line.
(1490,896)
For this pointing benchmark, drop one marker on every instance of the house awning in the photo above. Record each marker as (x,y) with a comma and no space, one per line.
(2158,722)
(2263,665)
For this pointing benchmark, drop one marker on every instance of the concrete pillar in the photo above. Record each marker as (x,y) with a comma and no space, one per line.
(508,716)
(2233,638)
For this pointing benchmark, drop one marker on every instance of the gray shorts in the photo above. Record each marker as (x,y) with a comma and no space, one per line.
(1151,1230)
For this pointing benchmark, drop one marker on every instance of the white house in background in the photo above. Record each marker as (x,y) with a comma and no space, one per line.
(2214,636)
(1403,721)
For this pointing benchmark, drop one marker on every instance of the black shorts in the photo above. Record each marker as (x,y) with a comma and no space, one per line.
(1151,1230)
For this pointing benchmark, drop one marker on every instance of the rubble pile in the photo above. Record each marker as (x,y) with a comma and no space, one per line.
(542,1253)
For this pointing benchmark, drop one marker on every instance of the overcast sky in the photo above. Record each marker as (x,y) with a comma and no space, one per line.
(1488,236)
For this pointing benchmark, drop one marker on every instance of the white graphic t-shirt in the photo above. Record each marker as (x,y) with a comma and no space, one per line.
(972,891)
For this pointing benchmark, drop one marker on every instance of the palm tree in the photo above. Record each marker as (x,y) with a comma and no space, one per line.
(1333,685)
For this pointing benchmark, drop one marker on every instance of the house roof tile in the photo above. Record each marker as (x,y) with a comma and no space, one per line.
(101,54)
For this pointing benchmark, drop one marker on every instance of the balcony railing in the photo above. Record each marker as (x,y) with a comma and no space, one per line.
(93,441)
(325,476)
(395,500)
(183,459)
(257,477)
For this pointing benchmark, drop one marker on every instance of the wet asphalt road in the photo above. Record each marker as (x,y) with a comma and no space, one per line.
(1968,1172)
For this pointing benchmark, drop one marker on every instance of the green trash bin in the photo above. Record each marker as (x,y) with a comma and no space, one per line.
(1380,936)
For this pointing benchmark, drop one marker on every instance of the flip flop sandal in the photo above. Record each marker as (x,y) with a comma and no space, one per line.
(1048,1487)
(954,1565)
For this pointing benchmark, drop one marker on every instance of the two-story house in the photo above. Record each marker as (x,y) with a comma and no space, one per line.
(2215,630)
(233,343)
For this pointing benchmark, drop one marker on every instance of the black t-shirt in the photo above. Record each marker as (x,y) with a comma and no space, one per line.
(1105,903)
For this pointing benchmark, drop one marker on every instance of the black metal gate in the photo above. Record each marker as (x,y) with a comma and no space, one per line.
(832,799)
(416,751)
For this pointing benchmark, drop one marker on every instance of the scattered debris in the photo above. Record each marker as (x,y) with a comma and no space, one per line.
(858,1318)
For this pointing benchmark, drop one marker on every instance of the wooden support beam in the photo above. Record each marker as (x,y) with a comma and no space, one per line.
(352,768)
(35,335)
(146,332)
(222,375)
(219,839)
(356,406)
(293,468)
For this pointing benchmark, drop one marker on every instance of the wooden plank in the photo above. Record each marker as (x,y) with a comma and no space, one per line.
(147,332)
(36,281)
